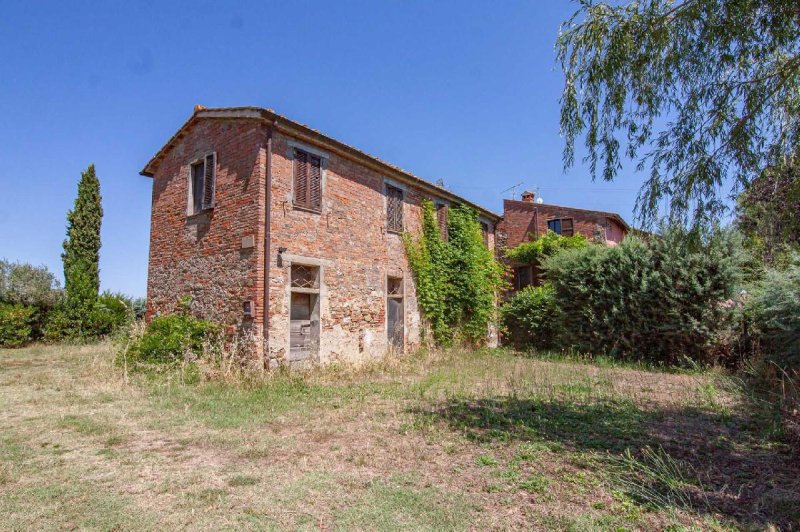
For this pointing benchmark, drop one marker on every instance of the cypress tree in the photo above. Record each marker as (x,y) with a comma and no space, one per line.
(81,255)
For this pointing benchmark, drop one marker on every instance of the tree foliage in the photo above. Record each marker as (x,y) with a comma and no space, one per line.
(456,280)
(549,244)
(81,256)
(768,211)
(25,284)
(703,93)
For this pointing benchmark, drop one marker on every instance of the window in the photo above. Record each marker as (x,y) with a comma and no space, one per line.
(394,286)
(394,209)
(561,226)
(307,180)
(522,277)
(305,276)
(485,233)
(441,219)
(202,176)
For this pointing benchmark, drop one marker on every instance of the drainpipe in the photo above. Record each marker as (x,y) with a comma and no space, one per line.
(268,223)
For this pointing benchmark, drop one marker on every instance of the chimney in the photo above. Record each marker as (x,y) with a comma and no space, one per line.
(528,196)
(199,107)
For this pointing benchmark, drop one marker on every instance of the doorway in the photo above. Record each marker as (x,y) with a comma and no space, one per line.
(304,314)
(395,324)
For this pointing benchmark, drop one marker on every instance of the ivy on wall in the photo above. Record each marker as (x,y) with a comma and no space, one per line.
(457,280)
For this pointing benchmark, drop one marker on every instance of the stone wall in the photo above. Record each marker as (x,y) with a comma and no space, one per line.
(201,255)
(349,240)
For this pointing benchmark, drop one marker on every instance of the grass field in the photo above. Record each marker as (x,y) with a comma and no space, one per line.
(459,440)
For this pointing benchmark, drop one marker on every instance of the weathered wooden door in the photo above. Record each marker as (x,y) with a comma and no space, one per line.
(394,322)
(301,330)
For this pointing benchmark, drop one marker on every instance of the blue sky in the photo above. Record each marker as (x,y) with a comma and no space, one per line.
(464,92)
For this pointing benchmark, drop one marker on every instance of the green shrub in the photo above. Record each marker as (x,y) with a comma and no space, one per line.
(658,302)
(16,324)
(549,244)
(168,339)
(774,311)
(111,312)
(530,318)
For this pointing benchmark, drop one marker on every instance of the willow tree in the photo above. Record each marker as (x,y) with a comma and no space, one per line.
(701,94)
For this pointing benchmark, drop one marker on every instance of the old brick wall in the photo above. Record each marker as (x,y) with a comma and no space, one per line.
(201,255)
(357,253)
(523,221)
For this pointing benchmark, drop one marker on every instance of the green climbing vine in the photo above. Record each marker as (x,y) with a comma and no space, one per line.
(457,280)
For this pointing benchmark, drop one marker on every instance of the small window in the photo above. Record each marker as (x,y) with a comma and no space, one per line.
(394,209)
(441,219)
(561,226)
(394,286)
(202,184)
(485,233)
(307,180)
(305,276)
(522,277)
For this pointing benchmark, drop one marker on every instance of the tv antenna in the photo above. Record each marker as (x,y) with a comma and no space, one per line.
(513,190)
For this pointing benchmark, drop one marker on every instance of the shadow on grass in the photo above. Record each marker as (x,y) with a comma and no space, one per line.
(741,473)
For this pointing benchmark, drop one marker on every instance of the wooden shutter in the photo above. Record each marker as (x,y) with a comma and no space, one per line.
(394,209)
(210,180)
(301,178)
(441,217)
(315,182)
(566,227)
(307,180)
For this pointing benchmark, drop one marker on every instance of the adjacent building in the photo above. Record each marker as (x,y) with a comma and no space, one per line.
(530,218)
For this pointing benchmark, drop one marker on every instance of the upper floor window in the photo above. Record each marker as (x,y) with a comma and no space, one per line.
(561,226)
(394,209)
(441,219)
(202,181)
(307,180)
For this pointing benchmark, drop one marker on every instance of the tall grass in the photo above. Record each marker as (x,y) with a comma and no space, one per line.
(656,479)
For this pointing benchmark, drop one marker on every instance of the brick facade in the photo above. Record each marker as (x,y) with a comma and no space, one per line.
(217,257)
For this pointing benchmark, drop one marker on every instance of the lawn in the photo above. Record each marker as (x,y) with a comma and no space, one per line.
(456,440)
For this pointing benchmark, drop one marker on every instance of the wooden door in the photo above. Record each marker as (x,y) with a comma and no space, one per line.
(300,333)
(394,322)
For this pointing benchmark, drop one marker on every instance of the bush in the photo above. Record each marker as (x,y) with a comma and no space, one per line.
(168,339)
(16,324)
(537,250)
(658,302)
(529,318)
(774,311)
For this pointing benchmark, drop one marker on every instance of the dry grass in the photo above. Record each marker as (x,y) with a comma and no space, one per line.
(455,440)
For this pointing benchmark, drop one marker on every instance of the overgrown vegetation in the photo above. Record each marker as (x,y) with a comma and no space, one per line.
(457,280)
(531,318)
(547,245)
(168,340)
(658,301)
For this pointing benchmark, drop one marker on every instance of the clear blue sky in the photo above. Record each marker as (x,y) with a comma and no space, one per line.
(464,92)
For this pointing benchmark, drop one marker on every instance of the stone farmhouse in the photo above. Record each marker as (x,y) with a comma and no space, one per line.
(528,219)
(278,230)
